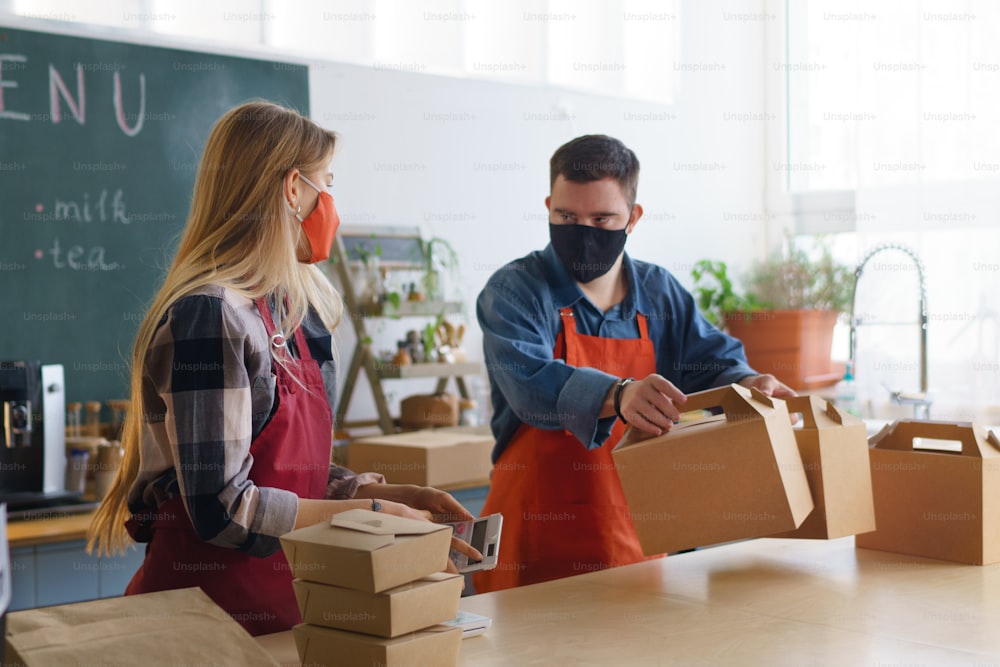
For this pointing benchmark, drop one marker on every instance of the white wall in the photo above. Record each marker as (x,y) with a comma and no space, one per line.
(468,160)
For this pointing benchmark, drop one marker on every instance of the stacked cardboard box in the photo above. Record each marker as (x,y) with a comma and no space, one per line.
(372,590)
(433,457)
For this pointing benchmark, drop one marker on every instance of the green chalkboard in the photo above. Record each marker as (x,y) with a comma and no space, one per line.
(99,146)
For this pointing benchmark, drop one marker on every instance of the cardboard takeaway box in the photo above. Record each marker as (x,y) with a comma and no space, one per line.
(426,458)
(726,477)
(397,611)
(834,449)
(367,551)
(936,503)
(177,627)
(437,645)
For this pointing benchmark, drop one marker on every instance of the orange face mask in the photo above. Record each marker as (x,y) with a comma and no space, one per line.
(321,225)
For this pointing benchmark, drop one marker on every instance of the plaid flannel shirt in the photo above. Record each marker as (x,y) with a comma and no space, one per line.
(209,390)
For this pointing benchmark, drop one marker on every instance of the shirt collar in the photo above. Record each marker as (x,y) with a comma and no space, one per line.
(566,293)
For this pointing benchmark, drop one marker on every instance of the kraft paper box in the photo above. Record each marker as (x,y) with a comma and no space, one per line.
(727,477)
(177,627)
(397,611)
(834,449)
(435,646)
(935,502)
(367,551)
(424,458)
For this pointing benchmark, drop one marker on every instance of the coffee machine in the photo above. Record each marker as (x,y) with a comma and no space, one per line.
(32,433)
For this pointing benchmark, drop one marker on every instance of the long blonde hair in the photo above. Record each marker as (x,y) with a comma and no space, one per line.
(240,235)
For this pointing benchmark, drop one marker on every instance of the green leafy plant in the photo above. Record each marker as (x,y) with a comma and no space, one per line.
(438,256)
(428,334)
(714,294)
(789,280)
(369,260)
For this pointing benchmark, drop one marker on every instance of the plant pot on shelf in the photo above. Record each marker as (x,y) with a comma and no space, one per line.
(792,345)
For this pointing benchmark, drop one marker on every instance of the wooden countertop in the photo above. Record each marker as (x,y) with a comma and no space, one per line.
(60,528)
(68,527)
(767,601)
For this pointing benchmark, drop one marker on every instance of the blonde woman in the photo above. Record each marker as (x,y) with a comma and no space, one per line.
(227,440)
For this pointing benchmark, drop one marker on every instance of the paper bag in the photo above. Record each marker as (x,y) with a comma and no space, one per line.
(731,476)
(178,627)
(934,502)
(834,449)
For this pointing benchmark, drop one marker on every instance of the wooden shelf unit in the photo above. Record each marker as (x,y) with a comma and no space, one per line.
(402,241)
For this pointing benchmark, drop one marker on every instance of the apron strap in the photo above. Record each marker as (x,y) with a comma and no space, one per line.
(277,338)
(643,328)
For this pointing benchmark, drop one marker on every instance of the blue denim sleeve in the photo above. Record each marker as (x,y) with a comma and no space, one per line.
(696,355)
(519,337)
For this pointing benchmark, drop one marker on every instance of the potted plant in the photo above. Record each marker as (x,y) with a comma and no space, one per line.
(786,315)
(438,256)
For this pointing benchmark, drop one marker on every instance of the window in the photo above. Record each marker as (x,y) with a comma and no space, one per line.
(624,48)
(892,110)
(890,93)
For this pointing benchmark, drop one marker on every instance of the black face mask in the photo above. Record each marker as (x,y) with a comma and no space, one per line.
(587,252)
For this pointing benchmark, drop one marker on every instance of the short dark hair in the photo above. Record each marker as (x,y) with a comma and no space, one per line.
(593,157)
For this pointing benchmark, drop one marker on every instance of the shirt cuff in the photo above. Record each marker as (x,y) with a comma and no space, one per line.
(734,375)
(345,487)
(280,510)
(579,406)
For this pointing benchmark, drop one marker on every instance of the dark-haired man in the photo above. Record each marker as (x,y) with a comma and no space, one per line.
(579,339)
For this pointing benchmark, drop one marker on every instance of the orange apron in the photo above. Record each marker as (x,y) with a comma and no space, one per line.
(563,509)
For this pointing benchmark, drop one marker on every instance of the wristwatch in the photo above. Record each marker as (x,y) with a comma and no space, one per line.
(619,386)
(376,506)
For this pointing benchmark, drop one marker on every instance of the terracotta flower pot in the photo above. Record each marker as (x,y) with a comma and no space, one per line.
(792,345)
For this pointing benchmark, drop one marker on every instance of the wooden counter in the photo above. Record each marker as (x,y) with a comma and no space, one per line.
(61,528)
(68,527)
(773,602)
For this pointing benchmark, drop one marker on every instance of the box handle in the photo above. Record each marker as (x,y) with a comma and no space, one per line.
(813,410)
(905,430)
(807,406)
(731,399)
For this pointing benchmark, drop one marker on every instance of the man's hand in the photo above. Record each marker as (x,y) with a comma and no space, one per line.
(767,385)
(651,404)
(771,386)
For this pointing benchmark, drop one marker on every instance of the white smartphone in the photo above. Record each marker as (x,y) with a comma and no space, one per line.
(484,535)
(471,624)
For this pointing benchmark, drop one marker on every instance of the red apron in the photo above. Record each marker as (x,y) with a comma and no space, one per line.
(291,452)
(563,509)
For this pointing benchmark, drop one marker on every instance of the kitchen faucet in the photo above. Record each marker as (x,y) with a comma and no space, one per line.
(920,401)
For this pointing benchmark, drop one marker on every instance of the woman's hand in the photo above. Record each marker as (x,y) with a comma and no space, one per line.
(405,511)
(441,505)
(433,499)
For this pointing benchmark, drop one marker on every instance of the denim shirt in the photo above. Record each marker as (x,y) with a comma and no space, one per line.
(518,311)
